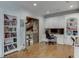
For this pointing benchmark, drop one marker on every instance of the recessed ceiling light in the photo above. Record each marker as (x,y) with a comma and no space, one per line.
(67,1)
(35,4)
(47,12)
(71,6)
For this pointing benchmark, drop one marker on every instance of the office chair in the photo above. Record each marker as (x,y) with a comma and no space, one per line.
(50,39)
(73,40)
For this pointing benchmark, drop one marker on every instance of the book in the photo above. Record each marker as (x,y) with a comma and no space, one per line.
(5,49)
(15,45)
(10,47)
(14,40)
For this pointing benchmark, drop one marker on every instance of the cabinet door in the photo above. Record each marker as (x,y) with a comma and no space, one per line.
(59,40)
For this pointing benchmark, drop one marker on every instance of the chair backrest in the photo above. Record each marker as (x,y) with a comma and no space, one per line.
(73,39)
(47,34)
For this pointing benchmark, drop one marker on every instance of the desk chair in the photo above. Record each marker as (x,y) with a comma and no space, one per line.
(50,39)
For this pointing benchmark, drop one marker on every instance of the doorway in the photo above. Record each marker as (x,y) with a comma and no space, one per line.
(32,31)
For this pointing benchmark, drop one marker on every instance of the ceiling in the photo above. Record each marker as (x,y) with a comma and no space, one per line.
(42,8)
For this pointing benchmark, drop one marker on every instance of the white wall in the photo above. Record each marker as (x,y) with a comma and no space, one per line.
(60,22)
(20,14)
(56,22)
(41,29)
(20,31)
(1,34)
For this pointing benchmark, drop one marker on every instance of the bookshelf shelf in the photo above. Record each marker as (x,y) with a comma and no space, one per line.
(10,51)
(10,34)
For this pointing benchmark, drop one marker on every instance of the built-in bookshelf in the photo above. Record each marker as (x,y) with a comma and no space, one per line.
(10,33)
(72,26)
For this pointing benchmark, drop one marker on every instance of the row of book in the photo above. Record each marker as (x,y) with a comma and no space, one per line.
(8,35)
(7,29)
(9,22)
(7,41)
(71,26)
(10,47)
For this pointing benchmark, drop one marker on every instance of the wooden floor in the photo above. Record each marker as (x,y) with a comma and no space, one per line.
(44,51)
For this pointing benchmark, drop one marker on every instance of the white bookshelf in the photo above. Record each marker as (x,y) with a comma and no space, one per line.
(10,34)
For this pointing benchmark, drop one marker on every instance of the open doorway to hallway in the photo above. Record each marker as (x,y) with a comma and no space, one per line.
(32,31)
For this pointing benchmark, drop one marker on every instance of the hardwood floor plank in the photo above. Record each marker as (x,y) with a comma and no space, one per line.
(44,51)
